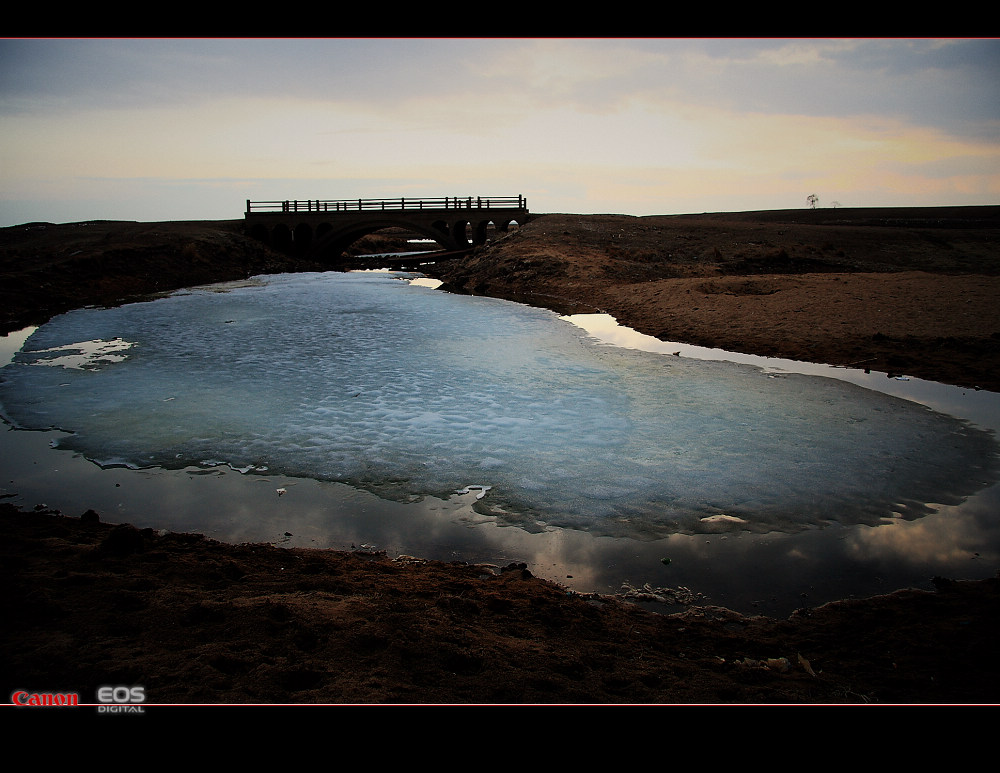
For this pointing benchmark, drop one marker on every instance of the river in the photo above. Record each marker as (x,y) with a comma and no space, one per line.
(369,412)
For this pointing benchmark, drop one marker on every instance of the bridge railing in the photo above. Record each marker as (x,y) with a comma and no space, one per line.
(355,205)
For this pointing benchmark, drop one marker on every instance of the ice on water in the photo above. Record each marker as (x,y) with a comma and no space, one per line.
(408,391)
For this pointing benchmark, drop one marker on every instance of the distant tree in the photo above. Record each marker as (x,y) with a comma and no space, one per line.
(812,198)
(835,204)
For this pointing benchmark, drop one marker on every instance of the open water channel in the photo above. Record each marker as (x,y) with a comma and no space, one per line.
(371,411)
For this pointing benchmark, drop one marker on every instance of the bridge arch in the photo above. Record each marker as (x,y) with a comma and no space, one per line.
(331,241)
(302,238)
(460,233)
(261,233)
(504,224)
(442,230)
(281,237)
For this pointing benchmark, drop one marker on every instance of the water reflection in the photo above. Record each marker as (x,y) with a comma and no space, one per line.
(769,573)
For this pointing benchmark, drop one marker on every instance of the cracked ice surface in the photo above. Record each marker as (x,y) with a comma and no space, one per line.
(407,391)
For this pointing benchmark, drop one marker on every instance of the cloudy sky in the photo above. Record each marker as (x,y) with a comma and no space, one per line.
(171,129)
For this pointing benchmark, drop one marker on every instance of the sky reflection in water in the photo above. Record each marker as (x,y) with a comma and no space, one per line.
(466,393)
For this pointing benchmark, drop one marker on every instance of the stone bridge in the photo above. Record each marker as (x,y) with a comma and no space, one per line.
(321,229)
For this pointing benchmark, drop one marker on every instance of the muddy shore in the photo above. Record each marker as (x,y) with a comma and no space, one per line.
(196,621)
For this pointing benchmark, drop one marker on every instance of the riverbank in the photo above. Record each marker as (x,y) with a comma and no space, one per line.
(894,291)
(192,620)
(196,621)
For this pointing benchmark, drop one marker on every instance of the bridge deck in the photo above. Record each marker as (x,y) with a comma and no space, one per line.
(399,204)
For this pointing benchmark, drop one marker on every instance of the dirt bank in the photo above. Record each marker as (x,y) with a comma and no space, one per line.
(896,291)
(87,603)
(195,621)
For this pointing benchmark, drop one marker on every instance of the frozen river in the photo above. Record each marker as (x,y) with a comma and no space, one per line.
(339,410)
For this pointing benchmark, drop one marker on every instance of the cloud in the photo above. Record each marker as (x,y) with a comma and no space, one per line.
(650,123)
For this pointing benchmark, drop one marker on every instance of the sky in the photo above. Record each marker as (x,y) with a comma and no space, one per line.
(189,129)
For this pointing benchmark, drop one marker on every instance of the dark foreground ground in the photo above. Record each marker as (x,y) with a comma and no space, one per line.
(86,604)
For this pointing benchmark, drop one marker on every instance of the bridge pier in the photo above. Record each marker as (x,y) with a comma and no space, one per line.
(327,228)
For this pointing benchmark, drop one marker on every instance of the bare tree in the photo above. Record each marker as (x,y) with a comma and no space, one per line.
(812,198)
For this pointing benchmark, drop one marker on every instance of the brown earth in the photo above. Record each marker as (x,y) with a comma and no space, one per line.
(910,290)
(195,621)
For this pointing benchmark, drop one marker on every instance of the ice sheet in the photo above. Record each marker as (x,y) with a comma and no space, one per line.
(408,392)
